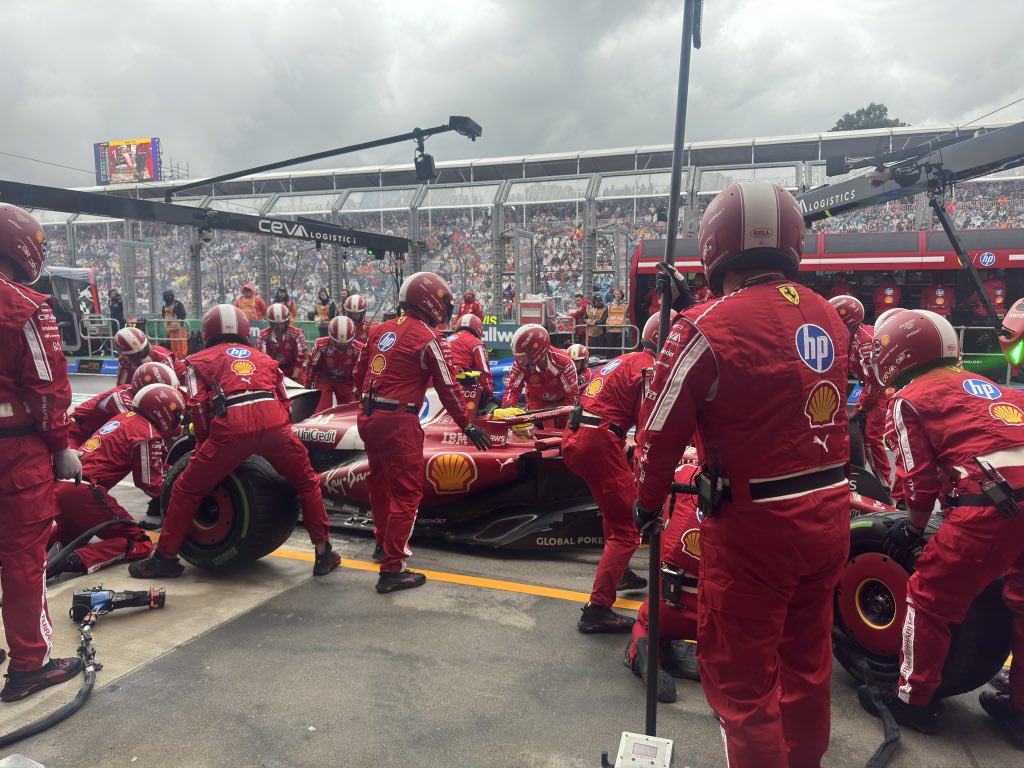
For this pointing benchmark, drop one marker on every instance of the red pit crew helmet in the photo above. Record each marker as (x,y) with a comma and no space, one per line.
(428,295)
(749,225)
(471,323)
(341,330)
(153,373)
(23,242)
(850,310)
(224,322)
(530,344)
(355,307)
(649,336)
(278,314)
(1013,345)
(131,342)
(909,339)
(161,405)
(580,355)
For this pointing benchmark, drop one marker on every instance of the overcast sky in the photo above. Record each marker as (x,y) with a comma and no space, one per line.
(227,84)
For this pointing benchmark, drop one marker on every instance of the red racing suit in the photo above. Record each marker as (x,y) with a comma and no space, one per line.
(363,330)
(289,350)
(680,547)
(97,411)
(330,370)
(941,421)
(553,382)
(584,377)
(470,354)
(770,396)
(157,354)
(257,421)
(703,295)
(470,308)
(872,401)
(939,299)
(996,289)
(596,452)
(126,443)
(34,400)
(400,358)
(887,295)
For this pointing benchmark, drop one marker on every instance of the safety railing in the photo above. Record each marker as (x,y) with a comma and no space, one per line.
(613,340)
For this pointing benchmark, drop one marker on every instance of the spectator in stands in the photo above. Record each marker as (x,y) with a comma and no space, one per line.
(174,314)
(116,309)
(938,297)
(252,306)
(324,311)
(597,318)
(282,297)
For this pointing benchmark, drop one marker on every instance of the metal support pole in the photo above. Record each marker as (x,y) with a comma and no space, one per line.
(196,278)
(654,552)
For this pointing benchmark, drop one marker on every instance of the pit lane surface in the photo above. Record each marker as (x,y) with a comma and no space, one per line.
(273,668)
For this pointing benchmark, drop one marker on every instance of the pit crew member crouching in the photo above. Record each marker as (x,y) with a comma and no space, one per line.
(548,374)
(238,406)
(133,349)
(580,356)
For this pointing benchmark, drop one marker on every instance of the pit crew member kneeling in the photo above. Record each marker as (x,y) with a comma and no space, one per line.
(332,363)
(239,407)
(759,375)
(401,356)
(130,442)
(958,435)
(594,448)
(680,564)
(133,349)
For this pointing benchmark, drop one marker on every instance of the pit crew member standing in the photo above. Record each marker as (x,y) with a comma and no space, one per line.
(995,287)
(956,432)
(593,447)
(332,364)
(580,356)
(283,342)
(680,551)
(131,442)
(98,410)
(765,653)
(133,349)
(401,356)
(548,374)
(34,399)
(238,406)
(355,309)
(470,306)
(470,354)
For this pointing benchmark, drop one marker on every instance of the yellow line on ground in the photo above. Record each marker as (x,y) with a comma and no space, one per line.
(470,581)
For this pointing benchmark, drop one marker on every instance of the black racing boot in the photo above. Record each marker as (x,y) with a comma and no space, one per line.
(921,717)
(666,691)
(326,561)
(1001,709)
(630,582)
(156,566)
(392,582)
(680,660)
(153,508)
(378,553)
(71,564)
(597,619)
(21,685)
(1001,682)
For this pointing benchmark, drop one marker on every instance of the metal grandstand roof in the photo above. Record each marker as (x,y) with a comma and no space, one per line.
(728,152)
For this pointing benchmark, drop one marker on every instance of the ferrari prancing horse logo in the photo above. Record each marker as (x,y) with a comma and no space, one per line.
(790,294)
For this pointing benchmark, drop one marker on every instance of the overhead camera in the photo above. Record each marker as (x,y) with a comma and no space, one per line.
(465,126)
(205,235)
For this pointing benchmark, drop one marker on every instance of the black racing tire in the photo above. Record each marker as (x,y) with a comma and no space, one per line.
(248,515)
(867,624)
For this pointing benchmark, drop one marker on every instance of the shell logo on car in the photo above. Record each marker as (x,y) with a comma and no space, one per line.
(822,405)
(1008,413)
(451,472)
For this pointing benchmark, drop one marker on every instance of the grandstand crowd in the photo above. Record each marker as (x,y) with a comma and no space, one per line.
(459,244)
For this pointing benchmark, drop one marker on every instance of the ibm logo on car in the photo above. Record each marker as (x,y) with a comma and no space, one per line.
(815,348)
(981,388)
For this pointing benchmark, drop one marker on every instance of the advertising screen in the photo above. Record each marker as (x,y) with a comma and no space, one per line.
(127,161)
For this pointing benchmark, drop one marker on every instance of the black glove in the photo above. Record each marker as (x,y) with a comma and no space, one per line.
(479,438)
(670,277)
(904,542)
(644,518)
